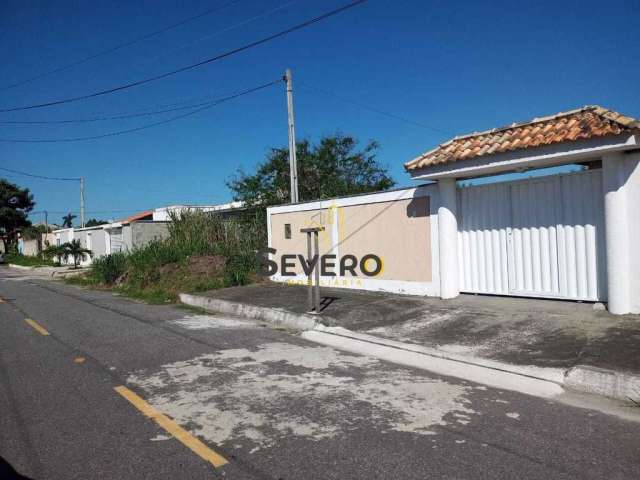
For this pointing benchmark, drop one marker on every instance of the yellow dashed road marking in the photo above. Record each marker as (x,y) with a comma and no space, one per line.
(36,326)
(173,428)
(79,360)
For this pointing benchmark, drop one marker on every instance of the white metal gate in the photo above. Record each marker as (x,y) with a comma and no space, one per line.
(536,237)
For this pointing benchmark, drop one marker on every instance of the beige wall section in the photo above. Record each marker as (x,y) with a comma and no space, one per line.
(397,231)
(298,242)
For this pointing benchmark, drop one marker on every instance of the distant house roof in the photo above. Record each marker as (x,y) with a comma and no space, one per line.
(147,215)
(584,123)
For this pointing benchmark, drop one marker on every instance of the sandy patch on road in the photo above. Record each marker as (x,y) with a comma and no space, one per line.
(255,397)
(204,322)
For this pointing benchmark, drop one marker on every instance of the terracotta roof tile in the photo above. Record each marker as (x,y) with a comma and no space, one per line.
(147,215)
(584,123)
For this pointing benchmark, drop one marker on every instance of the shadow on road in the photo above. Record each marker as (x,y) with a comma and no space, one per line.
(7,472)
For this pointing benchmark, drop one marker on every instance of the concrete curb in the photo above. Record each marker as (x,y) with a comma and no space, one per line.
(554,375)
(20,267)
(273,315)
(599,381)
(581,378)
(47,271)
(497,378)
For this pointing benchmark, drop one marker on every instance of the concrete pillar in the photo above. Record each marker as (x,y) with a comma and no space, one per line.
(448,238)
(614,177)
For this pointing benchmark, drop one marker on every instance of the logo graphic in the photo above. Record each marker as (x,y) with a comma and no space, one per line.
(369,265)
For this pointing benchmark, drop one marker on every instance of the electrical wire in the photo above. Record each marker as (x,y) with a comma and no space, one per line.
(220,32)
(119,47)
(43,177)
(143,127)
(207,61)
(373,109)
(99,119)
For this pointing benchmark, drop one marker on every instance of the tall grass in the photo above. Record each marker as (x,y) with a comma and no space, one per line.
(109,268)
(193,233)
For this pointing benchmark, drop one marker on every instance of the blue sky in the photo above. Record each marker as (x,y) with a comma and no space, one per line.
(455,66)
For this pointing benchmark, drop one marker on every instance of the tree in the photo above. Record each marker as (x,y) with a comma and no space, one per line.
(334,167)
(92,222)
(75,250)
(33,232)
(15,205)
(67,220)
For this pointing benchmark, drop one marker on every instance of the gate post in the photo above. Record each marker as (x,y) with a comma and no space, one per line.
(614,179)
(448,238)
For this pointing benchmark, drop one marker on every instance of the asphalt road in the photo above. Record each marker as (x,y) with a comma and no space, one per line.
(98,386)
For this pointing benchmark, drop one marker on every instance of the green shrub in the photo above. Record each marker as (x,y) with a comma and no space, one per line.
(109,268)
(190,234)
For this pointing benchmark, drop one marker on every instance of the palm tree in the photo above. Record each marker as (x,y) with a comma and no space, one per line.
(67,220)
(75,249)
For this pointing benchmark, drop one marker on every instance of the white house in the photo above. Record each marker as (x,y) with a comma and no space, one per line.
(164,213)
(131,232)
(564,236)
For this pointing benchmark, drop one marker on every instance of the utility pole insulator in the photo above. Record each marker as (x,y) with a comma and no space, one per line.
(293,162)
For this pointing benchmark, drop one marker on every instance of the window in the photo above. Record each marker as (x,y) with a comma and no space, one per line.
(287,231)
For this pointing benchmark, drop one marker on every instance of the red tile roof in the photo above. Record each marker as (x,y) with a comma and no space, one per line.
(138,216)
(588,122)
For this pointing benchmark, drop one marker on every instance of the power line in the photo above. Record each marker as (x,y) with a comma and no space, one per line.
(43,177)
(140,111)
(226,54)
(143,127)
(220,32)
(375,110)
(118,47)
(104,118)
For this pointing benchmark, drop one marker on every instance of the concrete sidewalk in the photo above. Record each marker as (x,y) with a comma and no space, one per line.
(566,342)
(47,271)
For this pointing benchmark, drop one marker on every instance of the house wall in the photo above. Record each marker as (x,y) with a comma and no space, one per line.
(398,226)
(297,244)
(30,247)
(141,233)
(48,239)
(63,236)
(81,235)
(398,231)
(97,244)
(632,162)
(127,238)
(114,239)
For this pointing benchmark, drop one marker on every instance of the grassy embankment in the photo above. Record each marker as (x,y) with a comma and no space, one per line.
(203,252)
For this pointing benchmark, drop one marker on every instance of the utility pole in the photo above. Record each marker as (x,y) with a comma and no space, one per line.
(293,162)
(82,202)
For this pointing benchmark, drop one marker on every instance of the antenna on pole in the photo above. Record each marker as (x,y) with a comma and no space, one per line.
(293,162)
(82,202)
